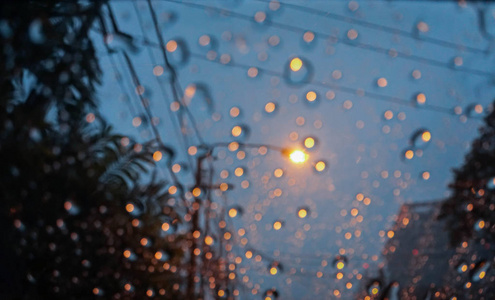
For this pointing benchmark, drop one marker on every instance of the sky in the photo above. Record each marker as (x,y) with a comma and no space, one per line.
(364,64)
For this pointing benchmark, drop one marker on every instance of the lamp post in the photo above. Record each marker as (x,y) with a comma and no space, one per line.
(296,156)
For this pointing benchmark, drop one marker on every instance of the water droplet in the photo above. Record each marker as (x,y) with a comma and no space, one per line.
(275,267)
(303,212)
(320,166)
(123,42)
(277,225)
(235,211)
(339,262)
(479,271)
(240,131)
(198,99)
(178,52)
(374,287)
(474,110)
(421,138)
(36,32)
(298,71)
(462,267)
(270,294)
(479,225)
(491,183)
(392,291)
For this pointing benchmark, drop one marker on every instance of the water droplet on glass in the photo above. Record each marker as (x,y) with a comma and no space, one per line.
(123,42)
(178,52)
(462,267)
(298,71)
(491,183)
(339,262)
(303,212)
(198,99)
(479,225)
(270,294)
(479,271)
(420,138)
(474,110)
(36,32)
(374,287)
(240,132)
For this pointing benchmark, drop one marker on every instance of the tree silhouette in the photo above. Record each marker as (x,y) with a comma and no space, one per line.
(470,211)
(78,218)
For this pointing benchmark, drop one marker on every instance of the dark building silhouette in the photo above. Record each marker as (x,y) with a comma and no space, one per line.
(420,259)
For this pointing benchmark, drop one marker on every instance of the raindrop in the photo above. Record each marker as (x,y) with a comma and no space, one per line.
(392,291)
(479,271)
(374,287)
(162,256)
(270,107)
(198,99)
(168,17)
(474,110)
(310,142)
(178,52)
(240,132)
(130,255)
(479,225)
(311,97)
(71,208)
(420,138)
(207,42)
(491,183)
(275,267)
(303,212)
(309,40)
(235,211)
(339,262)
(320,166)
(270,294)
(298,71)
(36,32)
(462,267)
(123,42)
(277,225)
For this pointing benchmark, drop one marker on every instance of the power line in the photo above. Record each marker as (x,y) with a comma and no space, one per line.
(384,28)
(345,89)
(334,38)
(182,138)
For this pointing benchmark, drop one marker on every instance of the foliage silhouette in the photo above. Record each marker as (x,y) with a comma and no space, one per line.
(473,191)
(66,178)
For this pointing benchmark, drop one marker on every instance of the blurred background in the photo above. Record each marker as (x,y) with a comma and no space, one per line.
(248,149)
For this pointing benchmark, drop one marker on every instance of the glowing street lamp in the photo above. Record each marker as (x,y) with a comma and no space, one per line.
(298,156)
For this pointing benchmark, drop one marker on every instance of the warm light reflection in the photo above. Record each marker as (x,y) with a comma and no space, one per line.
(311,96)
(157,156)
(171,46)
(232,212)
(296,64)
(309,142)
(277,225)
(426,136)
(236,131)
(302,213)
(270,107)
(298,156)
(320,166)
(409,154)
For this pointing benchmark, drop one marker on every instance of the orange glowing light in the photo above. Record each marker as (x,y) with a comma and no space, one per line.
(296,64)
(298,156)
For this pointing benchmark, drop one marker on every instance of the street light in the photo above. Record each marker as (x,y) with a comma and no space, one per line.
(298,156)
